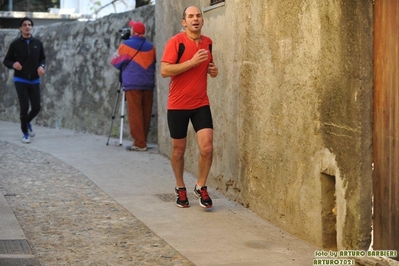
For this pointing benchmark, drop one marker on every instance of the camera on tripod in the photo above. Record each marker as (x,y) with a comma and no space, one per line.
(125,33)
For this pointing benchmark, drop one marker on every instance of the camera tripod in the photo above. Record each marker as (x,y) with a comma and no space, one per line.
(120,88)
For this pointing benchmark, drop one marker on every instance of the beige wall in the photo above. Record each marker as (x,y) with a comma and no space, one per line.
(292,112)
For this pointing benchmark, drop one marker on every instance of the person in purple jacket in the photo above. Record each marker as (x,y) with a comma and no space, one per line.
(135,58)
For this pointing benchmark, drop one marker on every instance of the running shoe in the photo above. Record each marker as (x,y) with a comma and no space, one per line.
(203,197)
(30,131)
(25,138)
(181,198)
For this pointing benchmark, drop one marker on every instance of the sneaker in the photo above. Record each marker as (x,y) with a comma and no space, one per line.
(134,148)
(181,198)
(30,131)
(203,197)
(25,138)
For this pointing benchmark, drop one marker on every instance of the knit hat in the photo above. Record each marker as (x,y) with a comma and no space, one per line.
(138,27)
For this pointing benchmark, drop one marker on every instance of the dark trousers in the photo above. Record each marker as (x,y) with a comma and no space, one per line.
(28,95)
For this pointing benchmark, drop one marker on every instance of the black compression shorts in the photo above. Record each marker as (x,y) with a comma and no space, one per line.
(178,121)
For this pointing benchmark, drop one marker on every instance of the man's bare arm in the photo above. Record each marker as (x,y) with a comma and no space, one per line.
(168,69)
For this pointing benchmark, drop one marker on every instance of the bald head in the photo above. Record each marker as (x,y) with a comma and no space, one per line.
(190,9)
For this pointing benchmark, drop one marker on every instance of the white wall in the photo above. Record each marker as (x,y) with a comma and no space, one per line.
(86,7)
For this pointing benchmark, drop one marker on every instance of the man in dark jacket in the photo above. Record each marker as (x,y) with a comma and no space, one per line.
(135,58)
(26,56)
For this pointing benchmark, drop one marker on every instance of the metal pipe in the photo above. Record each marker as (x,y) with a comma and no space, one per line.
(10,5)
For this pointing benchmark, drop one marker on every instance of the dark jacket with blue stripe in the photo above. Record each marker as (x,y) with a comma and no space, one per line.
(29,53)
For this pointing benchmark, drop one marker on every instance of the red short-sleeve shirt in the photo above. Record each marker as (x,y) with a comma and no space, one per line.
(187,90)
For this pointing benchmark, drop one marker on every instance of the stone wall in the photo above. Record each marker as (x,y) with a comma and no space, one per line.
(292,110)
(80,86)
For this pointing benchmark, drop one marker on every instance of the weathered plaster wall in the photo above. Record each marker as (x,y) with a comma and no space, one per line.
(292,112)
(80,86)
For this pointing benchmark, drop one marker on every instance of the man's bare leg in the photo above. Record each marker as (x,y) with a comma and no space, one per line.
(205,144)
(177,160)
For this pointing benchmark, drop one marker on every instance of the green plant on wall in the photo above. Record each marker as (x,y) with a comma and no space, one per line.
(97,6)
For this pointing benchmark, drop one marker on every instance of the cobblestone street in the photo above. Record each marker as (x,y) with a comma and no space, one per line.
(68,220)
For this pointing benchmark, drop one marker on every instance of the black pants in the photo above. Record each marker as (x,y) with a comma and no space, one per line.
(178,121)
(28,94)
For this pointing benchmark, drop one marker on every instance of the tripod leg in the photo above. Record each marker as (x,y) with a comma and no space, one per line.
(122,117)
(113,113)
